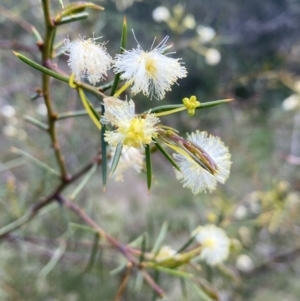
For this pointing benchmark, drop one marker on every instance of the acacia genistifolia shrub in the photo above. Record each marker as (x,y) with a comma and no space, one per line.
(128,140)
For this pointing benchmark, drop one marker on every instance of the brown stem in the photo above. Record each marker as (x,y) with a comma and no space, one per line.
(126,251)
(52,115)
(49,199)
(81,214)
(63,185)
(123,283)
(160,292)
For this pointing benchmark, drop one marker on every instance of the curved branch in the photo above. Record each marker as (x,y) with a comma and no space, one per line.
(47,200)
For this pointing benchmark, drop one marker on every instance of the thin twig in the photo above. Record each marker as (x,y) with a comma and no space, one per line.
(46,55)
(63,185)
(125,250)
(160,292)
(47,200)
(123,284)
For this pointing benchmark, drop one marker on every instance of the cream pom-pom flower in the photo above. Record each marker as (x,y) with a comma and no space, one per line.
(131,158)
(215,244)
(291,103)
(151,72)
(160,14)
(88,59)
(110,102)
(164,253)
(212,56)
(206,33)
(194,175)
(131,130)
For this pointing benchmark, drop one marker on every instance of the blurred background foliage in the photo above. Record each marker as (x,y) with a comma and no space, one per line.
(255,61)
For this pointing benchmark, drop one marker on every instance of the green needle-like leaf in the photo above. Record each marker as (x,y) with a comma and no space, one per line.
(203,105)
(83,227)
(36,34)
(156,279)
(76,7)
(37,123)
(41,68)
(54,260)
(122,48)
(35,161)
(118,269)
(73,18)
(16,223)
(79,113)
(94,252)
(173,272)
(61,77)
(168,157)
(202,295)
(4,166)
(160,238)
(209,104)
(148,166)
(139,281)
(84,181)
(137,241)
(165,108)
(106,86)
(116,158)
(143,250)
(187,244)
(124,35)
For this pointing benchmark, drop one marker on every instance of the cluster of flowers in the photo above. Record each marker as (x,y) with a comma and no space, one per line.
(177,21)
(202,160)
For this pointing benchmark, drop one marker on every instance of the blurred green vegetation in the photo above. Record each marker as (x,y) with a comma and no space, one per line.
(259,46)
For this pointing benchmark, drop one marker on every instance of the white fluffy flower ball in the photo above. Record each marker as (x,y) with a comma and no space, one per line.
(291,103)
(160,14)
(88,59)
(8,111)
(152,72)
(215,244)
(206,34)
(131,158)
(195,176)
(212,56)
(131,130)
